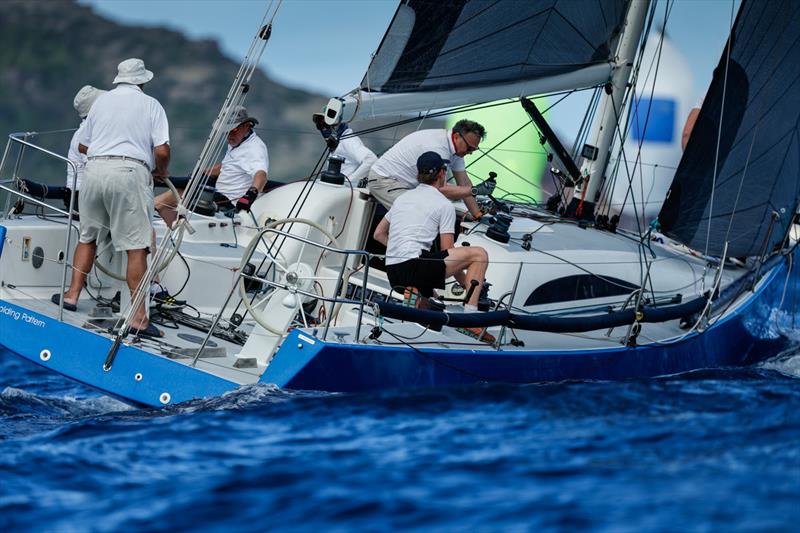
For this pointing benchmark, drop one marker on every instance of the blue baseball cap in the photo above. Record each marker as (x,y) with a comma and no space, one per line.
(430,162)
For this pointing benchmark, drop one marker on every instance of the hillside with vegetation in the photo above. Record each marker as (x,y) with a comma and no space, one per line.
(49,49)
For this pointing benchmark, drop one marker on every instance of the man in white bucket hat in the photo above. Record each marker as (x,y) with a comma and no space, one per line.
(126,140)
(242,174)
(82,103)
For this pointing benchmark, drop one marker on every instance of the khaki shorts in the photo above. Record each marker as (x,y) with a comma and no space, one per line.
(386,190)
(117,195)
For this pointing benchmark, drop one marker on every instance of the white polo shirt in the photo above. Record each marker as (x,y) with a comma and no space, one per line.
(416,219)
(239,166)
(400,161)
(125,121)
(355,155)
(76,157)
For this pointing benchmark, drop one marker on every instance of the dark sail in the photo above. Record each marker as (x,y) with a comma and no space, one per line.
(434,45)
(758,168)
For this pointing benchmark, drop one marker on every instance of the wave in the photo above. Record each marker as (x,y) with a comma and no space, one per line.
(787,363)
(15,401)
(245,397)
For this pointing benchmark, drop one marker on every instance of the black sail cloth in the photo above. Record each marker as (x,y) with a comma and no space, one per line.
(755,95)
(435,45)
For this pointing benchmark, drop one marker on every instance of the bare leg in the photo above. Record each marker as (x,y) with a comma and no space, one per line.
(477,272)
(165,204)
(461,278)
(81,265)
(137,265)
(472,258)
(156,277)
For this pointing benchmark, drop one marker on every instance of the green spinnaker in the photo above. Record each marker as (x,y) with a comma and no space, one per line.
(519,161)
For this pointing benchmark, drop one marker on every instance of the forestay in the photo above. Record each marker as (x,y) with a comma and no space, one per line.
(754,94)
(455,52)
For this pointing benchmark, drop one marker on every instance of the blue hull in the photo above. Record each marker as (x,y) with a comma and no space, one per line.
(136,376)
(751,334)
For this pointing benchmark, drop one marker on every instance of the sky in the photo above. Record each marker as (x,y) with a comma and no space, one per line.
(321,45)
(325,45)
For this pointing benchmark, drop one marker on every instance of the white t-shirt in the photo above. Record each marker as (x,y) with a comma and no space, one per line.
(416,219)
(239,166)
(125,121)
(400,161)
(357,158)
(76,157)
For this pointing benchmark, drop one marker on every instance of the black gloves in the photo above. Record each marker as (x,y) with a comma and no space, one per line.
(246,201)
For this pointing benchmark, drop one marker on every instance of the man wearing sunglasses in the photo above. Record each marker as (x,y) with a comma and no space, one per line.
(395,172)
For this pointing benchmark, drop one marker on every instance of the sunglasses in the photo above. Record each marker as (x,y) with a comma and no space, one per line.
(470,148)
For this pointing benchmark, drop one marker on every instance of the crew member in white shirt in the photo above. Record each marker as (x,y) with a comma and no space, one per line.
(358,159)
(395,171)
(409,229)
(240,177)
(126,140)
(82,103)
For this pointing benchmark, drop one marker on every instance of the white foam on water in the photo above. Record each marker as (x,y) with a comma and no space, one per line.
(67,405)
(786,364)
(243,397)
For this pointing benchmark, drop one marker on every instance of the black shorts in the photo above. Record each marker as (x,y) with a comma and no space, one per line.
(427,272)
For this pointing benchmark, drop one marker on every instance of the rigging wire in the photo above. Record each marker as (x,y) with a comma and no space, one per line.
(719,134)
(637,161)
(210,152)
(631,95)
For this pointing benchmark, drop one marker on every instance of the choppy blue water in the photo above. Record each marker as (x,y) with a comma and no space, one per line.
(710,451)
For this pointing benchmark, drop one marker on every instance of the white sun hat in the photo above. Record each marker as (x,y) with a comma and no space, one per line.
(85,98)
(132,71)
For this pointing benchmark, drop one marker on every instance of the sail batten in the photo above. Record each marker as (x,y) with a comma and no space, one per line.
(751,113)
(447,46)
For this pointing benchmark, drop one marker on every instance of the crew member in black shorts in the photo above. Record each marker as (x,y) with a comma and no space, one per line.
(409,229)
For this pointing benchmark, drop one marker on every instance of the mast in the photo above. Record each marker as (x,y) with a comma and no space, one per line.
(596,152)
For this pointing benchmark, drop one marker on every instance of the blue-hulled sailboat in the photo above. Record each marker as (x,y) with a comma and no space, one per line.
(304,305)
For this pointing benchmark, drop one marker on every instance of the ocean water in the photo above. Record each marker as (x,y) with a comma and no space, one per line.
(704,451)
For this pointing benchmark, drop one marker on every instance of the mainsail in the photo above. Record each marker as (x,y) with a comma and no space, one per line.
(748,196)
(442,53)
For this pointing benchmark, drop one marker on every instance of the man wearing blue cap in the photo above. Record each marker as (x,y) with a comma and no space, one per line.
(409,229)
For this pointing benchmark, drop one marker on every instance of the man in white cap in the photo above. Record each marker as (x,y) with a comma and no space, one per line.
(82,103)
(126,140)
(242,174)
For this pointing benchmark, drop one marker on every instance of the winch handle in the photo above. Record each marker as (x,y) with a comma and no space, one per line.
(498,204)
(473,284)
